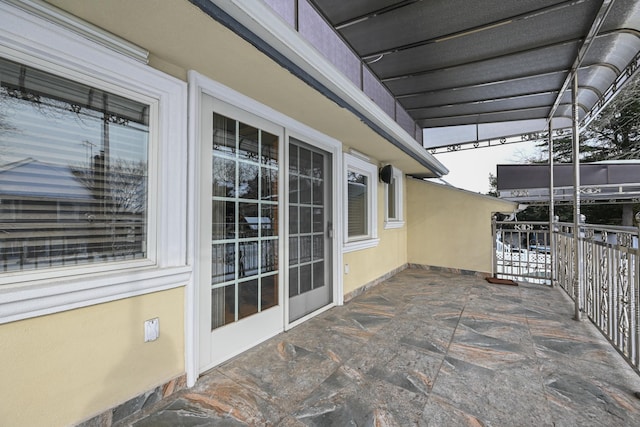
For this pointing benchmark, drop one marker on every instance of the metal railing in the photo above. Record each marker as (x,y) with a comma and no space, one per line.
(522,251)
(604,284)
(608,290)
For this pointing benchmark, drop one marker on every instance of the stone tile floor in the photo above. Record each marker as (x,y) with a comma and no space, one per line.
(424,348)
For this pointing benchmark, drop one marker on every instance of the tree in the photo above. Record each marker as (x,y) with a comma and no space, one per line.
(613,135)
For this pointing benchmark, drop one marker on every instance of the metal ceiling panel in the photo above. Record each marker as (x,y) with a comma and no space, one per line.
(490,63)
(485,107)
(547,83)
(520,65)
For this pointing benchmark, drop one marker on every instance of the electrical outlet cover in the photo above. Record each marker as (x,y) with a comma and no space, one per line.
(151,329)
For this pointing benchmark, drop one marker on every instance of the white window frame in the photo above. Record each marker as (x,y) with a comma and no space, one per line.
(356,164)
(41,41)
(398,183)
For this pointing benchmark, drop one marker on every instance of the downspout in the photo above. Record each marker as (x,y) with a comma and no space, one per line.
(577,248)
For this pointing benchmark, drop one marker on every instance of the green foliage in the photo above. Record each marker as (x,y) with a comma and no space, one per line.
(613,135)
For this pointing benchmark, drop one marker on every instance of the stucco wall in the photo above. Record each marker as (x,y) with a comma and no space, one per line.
(368,265)
(451,228)
(63,368)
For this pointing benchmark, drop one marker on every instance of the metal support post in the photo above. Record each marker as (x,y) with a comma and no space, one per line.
(552,246)
(578,281)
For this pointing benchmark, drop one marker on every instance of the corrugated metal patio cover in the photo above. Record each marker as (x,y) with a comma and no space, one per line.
(474,70)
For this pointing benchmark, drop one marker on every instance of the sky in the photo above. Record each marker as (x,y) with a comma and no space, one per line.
(470,169)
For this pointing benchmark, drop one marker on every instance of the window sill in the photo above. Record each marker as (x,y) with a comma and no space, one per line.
(65,294)
(393,224)
(358,245)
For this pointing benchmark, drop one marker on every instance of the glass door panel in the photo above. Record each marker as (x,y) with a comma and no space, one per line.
(239,283)
(310,286)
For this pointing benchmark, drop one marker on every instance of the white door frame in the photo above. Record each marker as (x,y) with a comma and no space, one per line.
(198,85)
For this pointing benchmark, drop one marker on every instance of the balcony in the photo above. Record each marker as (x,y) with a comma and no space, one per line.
(426,347)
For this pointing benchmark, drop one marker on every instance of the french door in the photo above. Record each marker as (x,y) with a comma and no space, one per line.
(310,229)
(247,278)
(240,298)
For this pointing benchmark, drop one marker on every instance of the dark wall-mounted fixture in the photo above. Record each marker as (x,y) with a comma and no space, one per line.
(385,174)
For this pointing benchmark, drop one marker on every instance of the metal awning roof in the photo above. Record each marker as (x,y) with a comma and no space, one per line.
(475,70)
(600,182)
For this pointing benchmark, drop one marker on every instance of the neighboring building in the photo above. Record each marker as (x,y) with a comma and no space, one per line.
(234,182)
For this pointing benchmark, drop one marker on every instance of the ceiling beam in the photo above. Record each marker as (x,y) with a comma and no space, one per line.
(591,35)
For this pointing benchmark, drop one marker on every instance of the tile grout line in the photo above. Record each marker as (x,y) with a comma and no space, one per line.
(446,354)
(538,364)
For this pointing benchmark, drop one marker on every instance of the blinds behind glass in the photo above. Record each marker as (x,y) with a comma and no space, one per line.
(357,205)
(73,172)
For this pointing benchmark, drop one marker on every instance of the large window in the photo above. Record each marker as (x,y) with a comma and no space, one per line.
(360,203)
(93,167)
(393,200)
(73,172)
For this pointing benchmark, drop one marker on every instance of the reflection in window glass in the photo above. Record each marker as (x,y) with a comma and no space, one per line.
(269,145)
(224,135)
(391,199)
(244,219)
(73,172)
(224,177)
(247,142)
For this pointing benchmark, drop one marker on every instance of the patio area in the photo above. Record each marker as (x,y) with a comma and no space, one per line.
(428,348)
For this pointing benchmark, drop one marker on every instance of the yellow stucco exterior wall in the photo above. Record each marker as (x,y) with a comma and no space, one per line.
(450,228)
(370,264)
(66,367)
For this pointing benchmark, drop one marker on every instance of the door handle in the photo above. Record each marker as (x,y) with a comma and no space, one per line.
(330,230)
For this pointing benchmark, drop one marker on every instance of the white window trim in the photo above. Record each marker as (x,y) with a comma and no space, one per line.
(398,221)
(39,42)
(370,240)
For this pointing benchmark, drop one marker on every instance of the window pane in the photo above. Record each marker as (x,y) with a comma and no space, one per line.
(248,259)
(269,185)
(305,220)
(268,292)
(269,221)
(305,278)
(269,149)
(247,181)
(357,204)
(293,282)
(249,220)
(247,142)
(224,177)
(223,262)
(269,260)
(247,298)
(223,306)
(223,220)
(294,221)
(224,135)
(73,172)
(391,199)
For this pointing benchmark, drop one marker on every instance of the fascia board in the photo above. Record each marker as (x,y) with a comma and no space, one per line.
(257,17)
